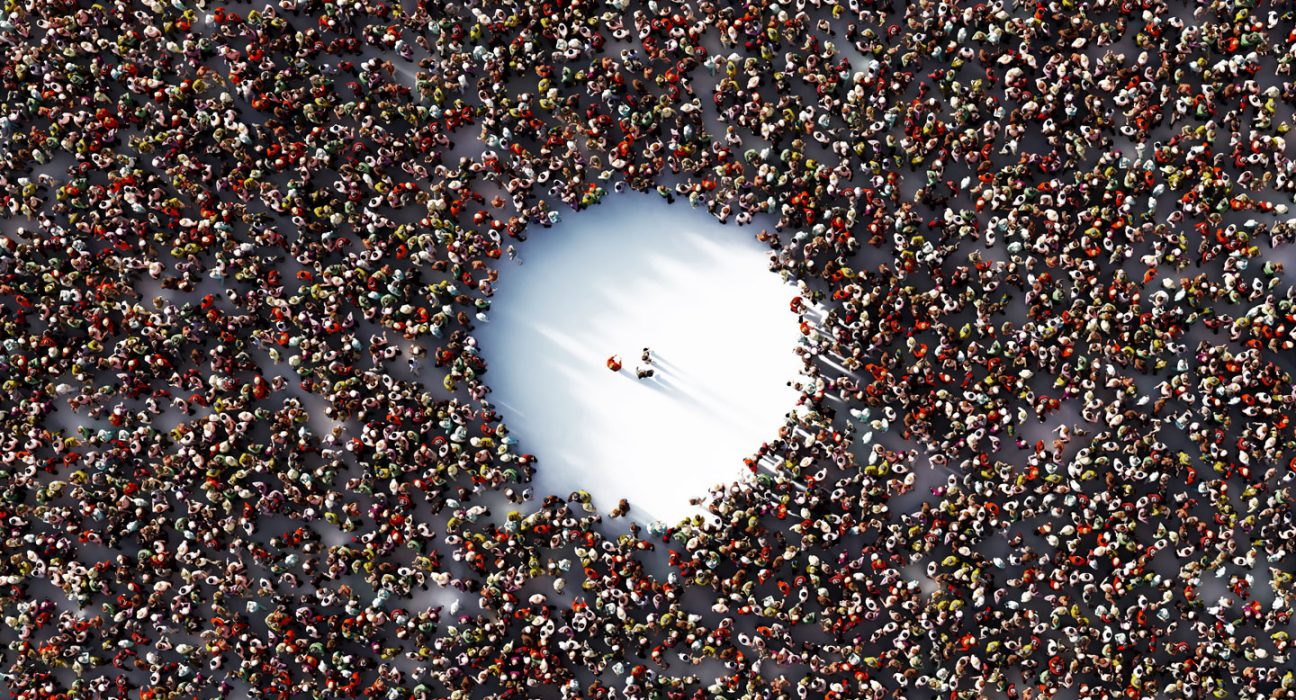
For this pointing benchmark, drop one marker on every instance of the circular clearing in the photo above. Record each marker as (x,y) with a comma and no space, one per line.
(635,272)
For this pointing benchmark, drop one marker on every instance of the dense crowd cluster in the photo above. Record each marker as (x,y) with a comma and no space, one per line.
(1044,444)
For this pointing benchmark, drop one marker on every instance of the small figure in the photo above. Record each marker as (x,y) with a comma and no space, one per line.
(614,363)
(645,369)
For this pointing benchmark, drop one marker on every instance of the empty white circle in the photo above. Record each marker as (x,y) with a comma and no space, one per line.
(630,273)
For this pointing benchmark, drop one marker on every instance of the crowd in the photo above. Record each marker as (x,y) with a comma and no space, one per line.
(1044,443)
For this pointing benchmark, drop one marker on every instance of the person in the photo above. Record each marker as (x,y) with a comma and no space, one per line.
(614,363)
(645,368)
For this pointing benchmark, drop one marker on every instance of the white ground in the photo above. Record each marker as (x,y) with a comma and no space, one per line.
(629,273)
